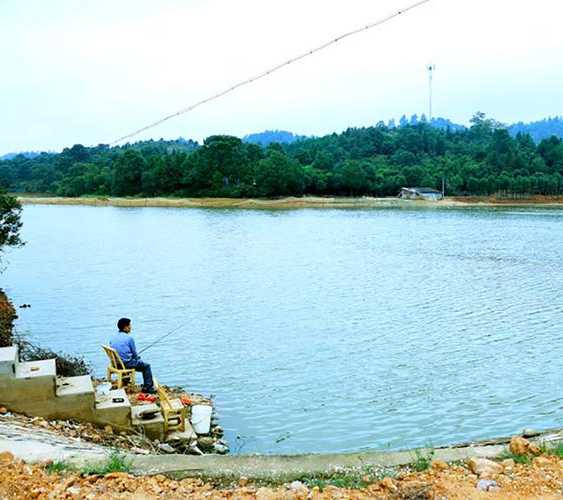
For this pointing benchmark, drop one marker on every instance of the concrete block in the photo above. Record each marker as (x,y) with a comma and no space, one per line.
(8,361)
(187,435)
(116,414)
(34,381)
(152,428)
(75,386)
(37,369)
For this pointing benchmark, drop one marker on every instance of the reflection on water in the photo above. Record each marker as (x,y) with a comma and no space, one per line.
(317,330)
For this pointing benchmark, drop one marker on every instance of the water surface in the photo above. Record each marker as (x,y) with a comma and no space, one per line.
(316,330)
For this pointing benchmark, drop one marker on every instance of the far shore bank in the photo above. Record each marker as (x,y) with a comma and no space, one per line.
(296,202)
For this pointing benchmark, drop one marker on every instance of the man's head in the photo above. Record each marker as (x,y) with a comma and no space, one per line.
(124,325)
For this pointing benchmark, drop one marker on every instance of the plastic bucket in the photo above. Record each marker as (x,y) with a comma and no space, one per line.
(201,418)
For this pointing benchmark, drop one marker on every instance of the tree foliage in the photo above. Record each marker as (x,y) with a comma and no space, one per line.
(483,159)
(10,221)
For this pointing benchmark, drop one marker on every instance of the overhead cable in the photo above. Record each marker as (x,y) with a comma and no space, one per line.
(273,69)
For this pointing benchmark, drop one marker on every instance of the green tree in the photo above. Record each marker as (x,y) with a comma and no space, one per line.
(127,174)
(10,221)
(278,175)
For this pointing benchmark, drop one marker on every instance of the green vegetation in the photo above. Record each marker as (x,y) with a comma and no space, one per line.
(348,478)
(10,221)
(556,450)
(58,467)
(519,459)
(68,365)
(377,161)
(422,460)
(116,462)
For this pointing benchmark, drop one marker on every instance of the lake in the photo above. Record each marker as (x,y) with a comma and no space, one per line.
(316,330)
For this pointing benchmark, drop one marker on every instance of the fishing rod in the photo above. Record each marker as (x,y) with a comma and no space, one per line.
(161,338)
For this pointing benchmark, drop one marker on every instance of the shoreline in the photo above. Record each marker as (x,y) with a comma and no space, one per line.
(290,203)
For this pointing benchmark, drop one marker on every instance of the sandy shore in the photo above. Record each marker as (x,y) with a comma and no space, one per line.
(293,202)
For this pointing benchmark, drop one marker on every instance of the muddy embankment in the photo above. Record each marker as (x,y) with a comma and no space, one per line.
(7,317)
(295,202)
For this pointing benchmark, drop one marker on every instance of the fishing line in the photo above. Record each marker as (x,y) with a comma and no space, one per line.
(273,69)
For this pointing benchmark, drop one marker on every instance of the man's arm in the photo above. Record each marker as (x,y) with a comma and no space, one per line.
(133,348)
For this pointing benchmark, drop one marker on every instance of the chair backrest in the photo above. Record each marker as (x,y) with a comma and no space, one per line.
(162,394)
(114,358)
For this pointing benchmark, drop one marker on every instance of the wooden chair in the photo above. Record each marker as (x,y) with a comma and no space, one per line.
(123,376)
(173,410)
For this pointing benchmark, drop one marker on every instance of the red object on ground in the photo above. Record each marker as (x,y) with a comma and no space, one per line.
(186,401)
(149,398)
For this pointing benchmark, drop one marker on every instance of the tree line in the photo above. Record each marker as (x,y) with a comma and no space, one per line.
(483,159)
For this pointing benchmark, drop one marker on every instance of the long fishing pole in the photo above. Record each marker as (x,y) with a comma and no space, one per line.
(161,338)
(273,69)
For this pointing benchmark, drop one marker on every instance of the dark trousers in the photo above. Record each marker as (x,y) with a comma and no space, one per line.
(145,369)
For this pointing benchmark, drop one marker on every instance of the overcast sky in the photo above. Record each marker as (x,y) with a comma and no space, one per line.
(91,71)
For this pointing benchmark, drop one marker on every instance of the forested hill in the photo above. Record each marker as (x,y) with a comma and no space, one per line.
(482,159)
(269,136)
(539,130)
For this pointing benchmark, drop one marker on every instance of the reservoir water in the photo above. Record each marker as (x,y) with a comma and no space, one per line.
(316,330)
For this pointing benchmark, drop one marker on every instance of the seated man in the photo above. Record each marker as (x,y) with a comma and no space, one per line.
(124,344)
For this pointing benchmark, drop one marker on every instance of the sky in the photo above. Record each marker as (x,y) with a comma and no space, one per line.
(91,71)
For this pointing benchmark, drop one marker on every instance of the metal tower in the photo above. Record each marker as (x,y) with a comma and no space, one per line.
(431,68)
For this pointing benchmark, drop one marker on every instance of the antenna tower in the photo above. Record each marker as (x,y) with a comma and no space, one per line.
(431,68)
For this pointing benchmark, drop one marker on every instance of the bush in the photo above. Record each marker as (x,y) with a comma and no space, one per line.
(67,365)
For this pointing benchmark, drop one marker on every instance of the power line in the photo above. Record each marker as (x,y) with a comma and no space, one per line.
(273,69)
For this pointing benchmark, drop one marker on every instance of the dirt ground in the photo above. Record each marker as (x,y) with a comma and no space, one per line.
(293,202)
(543,478)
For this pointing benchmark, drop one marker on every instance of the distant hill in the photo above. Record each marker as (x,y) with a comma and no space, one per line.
(539,130)
(269,136)
(27,154)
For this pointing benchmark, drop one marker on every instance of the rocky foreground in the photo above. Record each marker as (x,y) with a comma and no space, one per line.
(528,475)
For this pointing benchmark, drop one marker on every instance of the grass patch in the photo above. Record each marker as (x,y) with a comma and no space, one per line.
(422,460)
(358,478)
(58,467)
(519,459)
(556,450)
(116,462)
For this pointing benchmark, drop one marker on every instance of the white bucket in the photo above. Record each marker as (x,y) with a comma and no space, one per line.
(201,418)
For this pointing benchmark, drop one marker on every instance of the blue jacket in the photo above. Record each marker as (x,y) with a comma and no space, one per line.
(124,344)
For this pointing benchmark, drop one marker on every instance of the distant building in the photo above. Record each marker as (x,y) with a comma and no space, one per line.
(420,193)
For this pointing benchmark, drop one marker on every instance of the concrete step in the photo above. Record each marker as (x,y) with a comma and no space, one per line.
(75,386)
(31,387)
(45,368)
(187,435)
(8,361)
(153,428)
(109,410)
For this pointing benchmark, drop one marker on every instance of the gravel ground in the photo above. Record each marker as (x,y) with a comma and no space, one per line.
(542,478)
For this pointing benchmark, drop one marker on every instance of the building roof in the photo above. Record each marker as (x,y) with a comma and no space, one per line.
(423,190)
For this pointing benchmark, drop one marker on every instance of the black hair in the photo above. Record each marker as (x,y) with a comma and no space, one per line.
(122,323)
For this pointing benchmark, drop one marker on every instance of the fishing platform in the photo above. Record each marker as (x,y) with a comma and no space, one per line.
(33,388)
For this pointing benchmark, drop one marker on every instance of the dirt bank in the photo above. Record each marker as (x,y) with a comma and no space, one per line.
(7,317)
(540,477)
(293,202)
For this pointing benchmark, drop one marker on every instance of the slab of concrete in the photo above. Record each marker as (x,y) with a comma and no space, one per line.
(34,444)
(75,386)
(290,467)
(152,427)
(8,361)
(110,411)
(188,435)
(36,369)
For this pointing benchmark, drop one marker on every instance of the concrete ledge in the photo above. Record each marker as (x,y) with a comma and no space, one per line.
(289,467)
(115,414)
(8,361)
